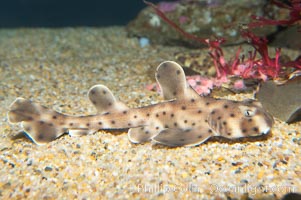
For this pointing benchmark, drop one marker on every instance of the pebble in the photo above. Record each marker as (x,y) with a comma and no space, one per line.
(143,41)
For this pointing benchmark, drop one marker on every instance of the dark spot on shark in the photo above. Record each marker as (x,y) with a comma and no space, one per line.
(129,124)
(209,131)
(42,122)
(146,132)
(166,126)
(124,112)
(224,122)
(178,72)
(172,115)
(71,124)
(164,113)
(175,124)
(199,111)
(213,112)
(174,93)
(109,104)
(104,92)
(147,114)
(157,127)
(99,123)
(250,120)
(183,107)
(54,117)
(219,118)
(200,136)
(40,137)
(88,124)
(232,115)
(193,124)
(192,100)
(255,129)
(135,116)
(185,121)
(182,140)
(226,106)
(244,130)
(157,115)
(113,122)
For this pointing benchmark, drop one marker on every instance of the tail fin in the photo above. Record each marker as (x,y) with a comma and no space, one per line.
(38,122)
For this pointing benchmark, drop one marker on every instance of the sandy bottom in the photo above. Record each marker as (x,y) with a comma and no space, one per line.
(57,67)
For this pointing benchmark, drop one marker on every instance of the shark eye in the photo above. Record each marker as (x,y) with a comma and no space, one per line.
(249,113)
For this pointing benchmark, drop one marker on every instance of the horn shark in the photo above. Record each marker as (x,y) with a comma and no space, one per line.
(184,119)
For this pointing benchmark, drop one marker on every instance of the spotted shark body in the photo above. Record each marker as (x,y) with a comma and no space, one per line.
(184,119)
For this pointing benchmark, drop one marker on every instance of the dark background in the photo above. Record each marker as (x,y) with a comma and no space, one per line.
(62,13)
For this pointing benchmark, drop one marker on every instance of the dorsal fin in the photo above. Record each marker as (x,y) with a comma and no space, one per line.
(103,100)
(171,78)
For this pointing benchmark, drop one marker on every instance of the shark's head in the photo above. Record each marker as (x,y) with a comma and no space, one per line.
(240,119)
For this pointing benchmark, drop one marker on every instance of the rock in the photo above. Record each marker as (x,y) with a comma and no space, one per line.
(218,18)
(289,38)
(282,101)
(48,169)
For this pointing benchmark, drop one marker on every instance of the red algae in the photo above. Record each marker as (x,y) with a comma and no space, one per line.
(263,68)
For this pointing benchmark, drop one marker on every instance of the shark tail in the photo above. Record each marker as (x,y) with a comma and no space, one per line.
(39,123)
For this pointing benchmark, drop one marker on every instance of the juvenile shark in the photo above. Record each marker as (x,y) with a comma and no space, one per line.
(184,119)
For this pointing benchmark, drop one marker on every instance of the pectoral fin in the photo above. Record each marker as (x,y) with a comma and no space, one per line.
(182,137)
